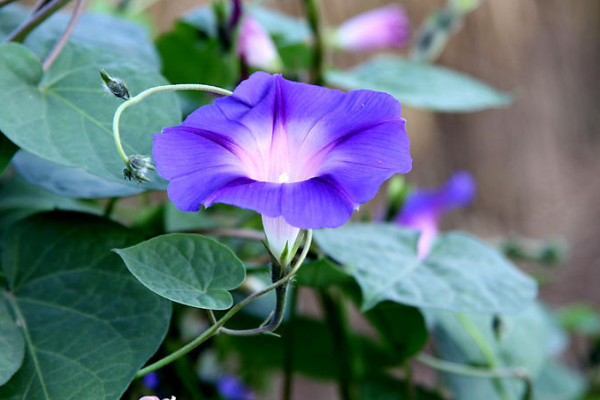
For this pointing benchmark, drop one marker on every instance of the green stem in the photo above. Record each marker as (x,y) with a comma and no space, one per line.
(466,370)
(335,313)
(214,329)
(141,96)
(486,351)
(110,206)
(34,20)
(64,38)
(288,360)
(314,20)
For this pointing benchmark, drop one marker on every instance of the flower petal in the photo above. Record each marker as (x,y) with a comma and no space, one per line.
(362,161)
(262,197)
(316,203)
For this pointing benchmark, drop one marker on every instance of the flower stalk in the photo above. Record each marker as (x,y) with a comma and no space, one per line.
(137,166)
(218,325)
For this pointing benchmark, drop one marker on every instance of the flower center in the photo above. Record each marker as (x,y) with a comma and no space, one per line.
(283,178)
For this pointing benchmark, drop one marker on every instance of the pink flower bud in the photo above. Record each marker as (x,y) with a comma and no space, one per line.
(256,47)
(380,28)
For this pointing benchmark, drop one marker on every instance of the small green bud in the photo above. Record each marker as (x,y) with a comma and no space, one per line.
(138,168)
(114,86)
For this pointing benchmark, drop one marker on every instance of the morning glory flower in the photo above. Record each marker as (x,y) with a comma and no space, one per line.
(155,398)
(380,28)
(231,387)
(424,208)
(303,156)
(256,47)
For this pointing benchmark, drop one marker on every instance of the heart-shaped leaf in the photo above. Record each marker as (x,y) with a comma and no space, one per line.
(460,273)
(88,324)
(12,345)
(186,268)
(65,117)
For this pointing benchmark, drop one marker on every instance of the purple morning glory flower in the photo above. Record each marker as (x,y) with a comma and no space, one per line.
(303,156)
(380,28)
(424,208)
(230,387)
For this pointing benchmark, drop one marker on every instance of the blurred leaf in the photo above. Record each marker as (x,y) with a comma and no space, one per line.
(122,39)
(580,318)
(65,117)
(12,345)
(68,181)
(460,273)
(321,274)
(20,199)
(286,29)
(558,382)
(312,343)
(401,328)
(385,387)
(527,340)
(421,85)
(89,326)
(178,221)
(190,57)
(431,37)
(189,269)
(7,150)
(465,5)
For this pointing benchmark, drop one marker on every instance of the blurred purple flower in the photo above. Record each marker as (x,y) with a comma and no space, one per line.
(256,47)
(151,380)
(424,208)
(155,398)
(303,156)
(380,28)
(230,387)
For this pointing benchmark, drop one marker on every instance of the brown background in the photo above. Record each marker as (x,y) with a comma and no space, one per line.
(537,163)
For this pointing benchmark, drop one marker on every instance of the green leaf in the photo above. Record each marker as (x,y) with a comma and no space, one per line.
(88,325)
(401,328)
(65,117)
(106,34)
(526,340)
(68,181)
(460,273)
(321,274)
(189,57)
(580,318)
(12,345)
(386,387)
(421,85)
(313,347)
(558,382)
(189,269)
(7,150)
(286,29)
(20,199)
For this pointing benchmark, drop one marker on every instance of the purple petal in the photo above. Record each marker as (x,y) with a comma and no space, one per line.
(458,191)
(361,162)
(316,203)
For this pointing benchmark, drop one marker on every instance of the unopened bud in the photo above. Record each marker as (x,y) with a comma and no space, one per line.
(114,86)
(137,168)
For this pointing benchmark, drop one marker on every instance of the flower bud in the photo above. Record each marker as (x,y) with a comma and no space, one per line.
(114,86)
(256,47)
(138,168)
(381,28)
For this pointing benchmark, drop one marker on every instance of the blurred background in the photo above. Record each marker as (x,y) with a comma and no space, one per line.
(536,162)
